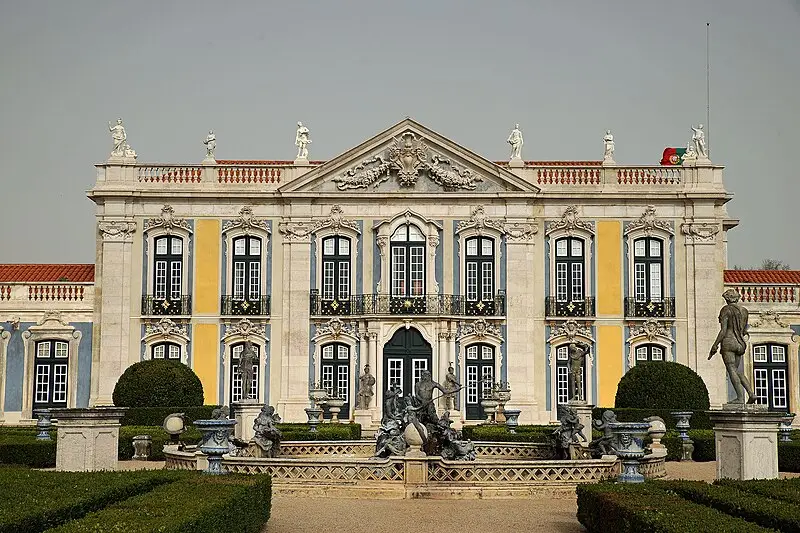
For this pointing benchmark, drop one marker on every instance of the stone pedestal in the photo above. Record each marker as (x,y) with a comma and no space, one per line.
(458,422)
(516,163)
(584,412)
(245,413)
(88,439)
(746,440)
(301,162)
(363,417)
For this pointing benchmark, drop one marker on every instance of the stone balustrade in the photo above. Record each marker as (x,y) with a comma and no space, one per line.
(29,295)
(768,294)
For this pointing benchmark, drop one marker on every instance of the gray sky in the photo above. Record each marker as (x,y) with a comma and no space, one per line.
(566,71)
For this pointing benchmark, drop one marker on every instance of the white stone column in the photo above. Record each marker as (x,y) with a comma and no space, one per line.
(111,330)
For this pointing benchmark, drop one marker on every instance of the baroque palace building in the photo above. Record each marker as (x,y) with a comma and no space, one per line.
(408,252)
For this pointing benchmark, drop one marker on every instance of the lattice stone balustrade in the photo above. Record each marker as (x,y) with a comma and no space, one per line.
(499,471)
(343,470)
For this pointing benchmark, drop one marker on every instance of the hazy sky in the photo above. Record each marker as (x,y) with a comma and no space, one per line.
(565,70)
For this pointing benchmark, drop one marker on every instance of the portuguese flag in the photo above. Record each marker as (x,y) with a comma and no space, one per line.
(673,156)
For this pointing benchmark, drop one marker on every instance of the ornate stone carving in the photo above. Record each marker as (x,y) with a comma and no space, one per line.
(120,139)
(167,221)
(52,318)
(245,329)
(651,328)
(447,335)
(116,230)
(570,221)
(296,231)
(246,222)
(408,156)
(517,232)
(701,233)
(480,328)
(479,221)
(768,320)
(336,328)
(648,222)
(383,243)
(166,328)
(571,329)
(302,141)
(336,221)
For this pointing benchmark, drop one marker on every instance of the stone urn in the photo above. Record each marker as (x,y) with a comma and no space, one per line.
(656,432)
(489,406)
(785,428)
(512,419)
(629,438)
(142,447)
(43,424)
(214,442)
(415,440)
(314,415)
(317,395)
(682,423)
(502,395)
(335,407)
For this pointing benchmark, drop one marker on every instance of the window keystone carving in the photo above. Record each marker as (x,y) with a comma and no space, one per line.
(246,222)
(648,222)
(571,221)
(167,221)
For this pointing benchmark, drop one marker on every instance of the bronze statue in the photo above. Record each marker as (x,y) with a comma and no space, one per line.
(731,344)
(266,436)
(247,359)
(577,355)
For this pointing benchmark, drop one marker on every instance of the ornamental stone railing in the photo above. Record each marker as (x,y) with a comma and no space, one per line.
(767,294)
(37,296)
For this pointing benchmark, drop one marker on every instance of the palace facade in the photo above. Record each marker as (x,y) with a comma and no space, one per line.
(408,252)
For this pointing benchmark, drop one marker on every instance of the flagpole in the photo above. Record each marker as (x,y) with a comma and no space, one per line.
(708,91)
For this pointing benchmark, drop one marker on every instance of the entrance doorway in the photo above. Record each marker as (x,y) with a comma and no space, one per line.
(405,356)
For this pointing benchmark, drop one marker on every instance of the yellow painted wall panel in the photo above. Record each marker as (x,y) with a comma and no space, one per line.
(207,243)
(205,353)
(610,355)
(609,267)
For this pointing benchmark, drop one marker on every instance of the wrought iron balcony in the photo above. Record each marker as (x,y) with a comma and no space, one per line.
(664,308)
(166,306)
(554,308)
(245,306)
(383,304)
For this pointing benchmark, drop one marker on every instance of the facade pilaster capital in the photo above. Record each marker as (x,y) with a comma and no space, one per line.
(116,230)
(700,233)
(296,231)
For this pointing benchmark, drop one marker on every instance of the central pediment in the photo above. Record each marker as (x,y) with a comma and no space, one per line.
(408,158)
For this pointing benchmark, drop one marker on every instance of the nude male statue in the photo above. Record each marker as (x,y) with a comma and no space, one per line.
(731,344)
(423,391)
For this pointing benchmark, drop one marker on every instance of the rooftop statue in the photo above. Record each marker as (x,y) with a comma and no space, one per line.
(731,344)
(120,139)
(516,142)
(608,147)
(302,141)
(211,144)
(699,140)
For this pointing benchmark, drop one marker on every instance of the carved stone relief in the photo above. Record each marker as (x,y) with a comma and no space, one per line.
(702,233)
(570,221)
(116,230)
(651,328)
(167,221)
(336,221)
(514,231)
(648,222)
(768,320)
(570,330)
(246,222)
(336,328)
(480,328)
(166,328)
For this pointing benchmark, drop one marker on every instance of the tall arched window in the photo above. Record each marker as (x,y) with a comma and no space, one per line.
(648,269)
(336,275)
(335,374)
(246,297)
(168,276)
(50,374)
(236,379)
(650,352)
(770,371)
(479,267)
(166,350)
(480,378)
(408,270)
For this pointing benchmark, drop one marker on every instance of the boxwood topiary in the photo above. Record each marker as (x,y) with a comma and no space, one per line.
(662,385)
(158,383)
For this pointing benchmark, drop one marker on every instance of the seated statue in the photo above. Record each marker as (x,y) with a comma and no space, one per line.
(453,445)
(569,432)
(604,445)
(266,436)
(390,440)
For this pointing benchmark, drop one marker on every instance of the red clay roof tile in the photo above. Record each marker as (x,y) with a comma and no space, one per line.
(41,273)
(766,277)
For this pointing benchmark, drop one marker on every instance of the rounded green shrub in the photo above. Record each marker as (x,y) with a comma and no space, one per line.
(662,385)
(158,383)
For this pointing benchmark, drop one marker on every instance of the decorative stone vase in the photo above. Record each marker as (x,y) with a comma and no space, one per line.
(489,407)
(142,446)
(502,395)
(656,432)
(43,424)
(214,442)
(335,406)
(629,438)
(314,415)
(785,428)
(414,440)
(317,395)
(512,419)
(682,423)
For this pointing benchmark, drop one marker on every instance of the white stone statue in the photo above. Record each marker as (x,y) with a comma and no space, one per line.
(516,141)
(211,144)
(699,140)
(302,141)
(690,154)
(120,138)
(608,144)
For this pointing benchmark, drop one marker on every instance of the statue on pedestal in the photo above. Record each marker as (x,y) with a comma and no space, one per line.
(699,140)
(365,383)
(120,139)
(452,386)
(731,344)
(516,142)
(247,360)
(266,436)
(211,144)
(577,357)
(608,147)
(302,141)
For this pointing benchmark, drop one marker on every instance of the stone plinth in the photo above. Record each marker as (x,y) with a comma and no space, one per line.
(245,414)
(87,438)
(363,417)
(746,441)
(584,412)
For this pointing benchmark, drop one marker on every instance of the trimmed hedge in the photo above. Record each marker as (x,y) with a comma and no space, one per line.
(300,431)
(787,490)
(645,508)
(154,416)
(501,434)
(764,511)
(22,448)
(789,456)
(158,383)
(699,419)
(34,501)
(662,385)
(234,504)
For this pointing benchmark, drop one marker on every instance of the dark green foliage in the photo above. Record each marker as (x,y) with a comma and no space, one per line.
(498,433)
(699,419)
(154,416)
(646,508)
(300,431)
(752,507)
(662,385)
(158,383)
(234,504)
(34,501)
(787,490)
(18,446)
(159,438)
(789,456)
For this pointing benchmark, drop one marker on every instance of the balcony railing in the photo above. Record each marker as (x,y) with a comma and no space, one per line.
(786,294)
(664,308)
(166,306)
(431,304)
(555,308)
(246,307)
